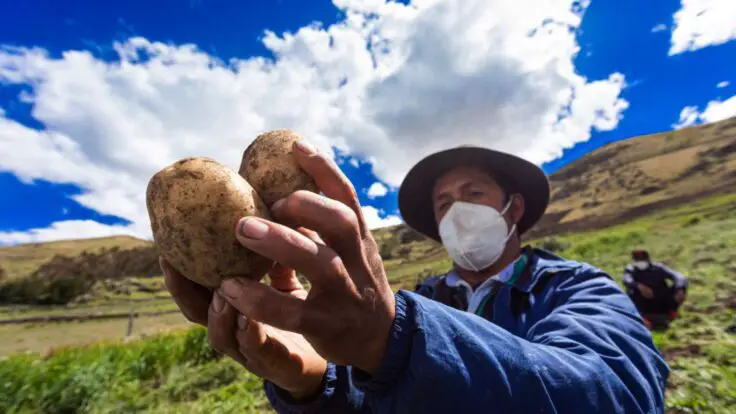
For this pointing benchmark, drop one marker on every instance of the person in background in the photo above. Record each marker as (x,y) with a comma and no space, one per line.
(509,329)
(656,290)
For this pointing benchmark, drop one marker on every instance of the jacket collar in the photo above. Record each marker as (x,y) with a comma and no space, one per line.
(541,262)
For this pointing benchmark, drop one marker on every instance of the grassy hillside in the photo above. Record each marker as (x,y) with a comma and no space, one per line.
(629,178)
(176,371)
(671,193)
(23,259)
(613,184)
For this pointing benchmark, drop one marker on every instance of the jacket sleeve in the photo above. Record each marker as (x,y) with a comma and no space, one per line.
(590,354)
(628,279)
(680,281)
(339,393)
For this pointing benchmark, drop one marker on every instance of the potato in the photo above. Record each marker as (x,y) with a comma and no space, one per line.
(269,166)
(194,205)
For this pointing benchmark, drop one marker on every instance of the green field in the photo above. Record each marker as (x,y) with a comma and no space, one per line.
(176,372)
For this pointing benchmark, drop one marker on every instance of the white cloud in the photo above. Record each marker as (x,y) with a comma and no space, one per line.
(713,112)
(703,23)
(722,84)
(389,84)
(719,110)
(377,189)
(688,117)
(65,230)
(659,28)
(375,221)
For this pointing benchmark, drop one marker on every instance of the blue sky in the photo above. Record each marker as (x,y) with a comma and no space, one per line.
(614,36)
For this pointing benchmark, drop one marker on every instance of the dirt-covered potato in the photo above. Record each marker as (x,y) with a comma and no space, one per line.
(269,166)
(194,205)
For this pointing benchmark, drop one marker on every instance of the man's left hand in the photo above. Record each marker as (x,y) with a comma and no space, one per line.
(645,290)
(349,310)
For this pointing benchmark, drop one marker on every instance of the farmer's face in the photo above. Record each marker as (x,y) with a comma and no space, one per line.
(468,184)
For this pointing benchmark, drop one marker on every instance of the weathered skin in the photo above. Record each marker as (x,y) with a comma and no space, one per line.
(269,166)
(194,205)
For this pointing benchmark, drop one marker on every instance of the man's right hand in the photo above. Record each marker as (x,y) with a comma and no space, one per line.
(645,290)
(282,357)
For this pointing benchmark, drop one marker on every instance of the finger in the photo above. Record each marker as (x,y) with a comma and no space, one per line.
(318,263)
(312,235)
(192,299)
(284,279)
(338,225)
(332,220)
(264,354)
(329,178)
(259,302)
(222,328)
(250,336)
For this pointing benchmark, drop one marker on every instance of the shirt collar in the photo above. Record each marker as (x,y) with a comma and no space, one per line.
(507,275)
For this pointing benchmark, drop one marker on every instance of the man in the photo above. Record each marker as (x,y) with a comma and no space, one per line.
(656,290)
(510,329)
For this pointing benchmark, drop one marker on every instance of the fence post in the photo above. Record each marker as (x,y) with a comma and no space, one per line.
(130,324)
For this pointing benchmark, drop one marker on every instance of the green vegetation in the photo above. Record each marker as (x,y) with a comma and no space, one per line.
(66,278)
(167,374)
(36,291)
(698,240)
(176,371)
(44,337)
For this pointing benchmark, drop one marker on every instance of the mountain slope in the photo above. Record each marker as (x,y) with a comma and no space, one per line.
(610,185)
(632,177)
(23,259)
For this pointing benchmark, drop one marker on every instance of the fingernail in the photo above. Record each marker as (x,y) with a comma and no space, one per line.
(218,303)
(230,288)
(252,228)
(242,322)
(305,147)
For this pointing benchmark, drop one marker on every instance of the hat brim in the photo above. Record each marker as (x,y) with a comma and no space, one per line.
(415,192)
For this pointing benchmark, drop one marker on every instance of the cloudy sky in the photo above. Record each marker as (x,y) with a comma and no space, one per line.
(95,99)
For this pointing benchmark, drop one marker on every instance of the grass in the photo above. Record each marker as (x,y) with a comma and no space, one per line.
(41,338)
(175,372)
(698,240)
(96,308)
(168,373)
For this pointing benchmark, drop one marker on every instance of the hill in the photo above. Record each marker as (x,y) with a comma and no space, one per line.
(610,185)
(630,178)
(22,260)
(670,192)
(176,371)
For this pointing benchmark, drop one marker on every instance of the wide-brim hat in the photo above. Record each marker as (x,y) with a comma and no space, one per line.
(519,175)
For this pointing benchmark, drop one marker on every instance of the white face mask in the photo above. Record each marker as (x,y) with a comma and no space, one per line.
(474,235)
(641,265)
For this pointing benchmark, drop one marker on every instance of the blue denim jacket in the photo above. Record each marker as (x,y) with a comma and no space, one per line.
(561,338)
